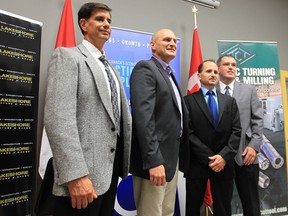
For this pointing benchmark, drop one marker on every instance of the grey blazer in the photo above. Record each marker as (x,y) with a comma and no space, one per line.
(79,121)
(251,118)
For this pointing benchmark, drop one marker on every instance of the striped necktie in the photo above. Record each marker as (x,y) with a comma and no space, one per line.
(114,94)
(227,90)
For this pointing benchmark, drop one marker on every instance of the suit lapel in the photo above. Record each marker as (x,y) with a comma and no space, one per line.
(218,87)
(200,100)
(221,104)
(166,78)
(99,80)
(236,90)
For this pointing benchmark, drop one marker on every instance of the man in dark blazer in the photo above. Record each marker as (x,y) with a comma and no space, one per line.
(246,161)
(90,149)
(213,144)
(159,127)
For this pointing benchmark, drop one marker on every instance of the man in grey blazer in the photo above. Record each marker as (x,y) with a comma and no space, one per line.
(159,128)
(246,162)
(89,151)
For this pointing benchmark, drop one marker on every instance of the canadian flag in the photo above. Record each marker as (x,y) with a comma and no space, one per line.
(193,86)
(66,34)
(196,59)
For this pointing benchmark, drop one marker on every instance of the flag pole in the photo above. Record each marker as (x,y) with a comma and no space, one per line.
(194,11)
(207,192)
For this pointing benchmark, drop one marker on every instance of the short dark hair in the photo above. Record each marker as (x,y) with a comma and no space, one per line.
(200,67)
(220,58)
(86,10)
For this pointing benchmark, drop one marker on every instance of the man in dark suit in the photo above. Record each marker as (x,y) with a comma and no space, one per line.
(158,114)
(214,139)
(246,161)
(87,120)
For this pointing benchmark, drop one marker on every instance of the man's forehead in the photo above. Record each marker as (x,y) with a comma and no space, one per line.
(210,66)
(228,59)
(169,37)
(101,12)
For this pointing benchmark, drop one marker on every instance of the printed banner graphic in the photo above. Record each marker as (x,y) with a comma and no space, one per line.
(258,65)
(19,83)
(124,49)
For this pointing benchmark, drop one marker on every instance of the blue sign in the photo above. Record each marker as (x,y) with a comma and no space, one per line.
(126,47)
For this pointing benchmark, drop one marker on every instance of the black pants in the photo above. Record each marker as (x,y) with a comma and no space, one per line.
(221,189)
(103,205)
(246,180)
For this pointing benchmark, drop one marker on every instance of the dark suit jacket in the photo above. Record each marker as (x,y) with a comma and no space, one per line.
(156,120)
(205,140)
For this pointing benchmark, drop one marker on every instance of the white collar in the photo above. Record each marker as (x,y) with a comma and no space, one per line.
(222,86)
(92,49)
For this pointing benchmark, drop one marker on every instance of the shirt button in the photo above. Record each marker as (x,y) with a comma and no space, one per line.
(112,150)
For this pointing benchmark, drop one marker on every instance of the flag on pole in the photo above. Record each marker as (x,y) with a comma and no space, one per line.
(66,34)
(194,85)
(196,59)
(65,38)
(208,201)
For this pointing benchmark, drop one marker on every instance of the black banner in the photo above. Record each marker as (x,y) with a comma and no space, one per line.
(20,40)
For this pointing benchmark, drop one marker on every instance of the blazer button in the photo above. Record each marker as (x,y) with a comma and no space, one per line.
(112,150)
(113,129)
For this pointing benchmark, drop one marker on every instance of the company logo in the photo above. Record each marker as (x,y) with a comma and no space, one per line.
(124,203)
(241,55)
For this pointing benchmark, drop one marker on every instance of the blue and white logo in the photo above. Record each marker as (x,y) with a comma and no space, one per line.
(124,203)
